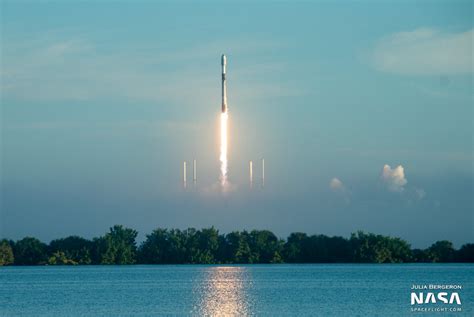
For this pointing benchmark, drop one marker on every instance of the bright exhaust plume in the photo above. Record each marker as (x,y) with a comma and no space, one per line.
(223,150)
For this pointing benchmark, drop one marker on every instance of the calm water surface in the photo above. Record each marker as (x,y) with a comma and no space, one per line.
(269,290)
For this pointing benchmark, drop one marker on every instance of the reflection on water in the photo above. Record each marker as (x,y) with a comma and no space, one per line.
(223,291)
(338,290)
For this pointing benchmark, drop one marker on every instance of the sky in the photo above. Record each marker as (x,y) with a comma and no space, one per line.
(362,110)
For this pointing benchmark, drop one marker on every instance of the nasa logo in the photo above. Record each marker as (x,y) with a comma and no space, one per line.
(436,298)
(432,298)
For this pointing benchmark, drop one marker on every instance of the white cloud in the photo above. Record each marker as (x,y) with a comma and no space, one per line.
(336,185)
(394,179)
(425,51)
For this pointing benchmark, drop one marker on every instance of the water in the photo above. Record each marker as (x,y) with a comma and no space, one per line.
(268,290)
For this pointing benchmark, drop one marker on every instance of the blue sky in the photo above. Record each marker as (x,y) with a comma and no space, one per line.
(101,103)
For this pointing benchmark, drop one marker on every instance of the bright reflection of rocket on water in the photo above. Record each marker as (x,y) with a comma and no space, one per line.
(223,291)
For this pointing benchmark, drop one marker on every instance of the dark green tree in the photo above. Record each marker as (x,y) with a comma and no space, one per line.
(6,253)
(420,256)
(265,246)
(400,250)
(207,246)
(117,246)
(316,249)
(164,246)
(239,251)
(293,249)
(202,245)
(371,248)
(223,251)
(441,251)
(339,250)
(60,258)
(30,251)
(74,248)
(466,253)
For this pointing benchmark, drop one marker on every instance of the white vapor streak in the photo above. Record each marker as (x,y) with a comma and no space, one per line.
(223,152)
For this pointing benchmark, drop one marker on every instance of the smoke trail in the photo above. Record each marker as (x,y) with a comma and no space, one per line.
(223,155)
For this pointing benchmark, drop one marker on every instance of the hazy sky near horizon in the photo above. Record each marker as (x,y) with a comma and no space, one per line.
(363,112)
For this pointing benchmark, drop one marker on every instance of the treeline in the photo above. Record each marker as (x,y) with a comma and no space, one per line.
(207,246)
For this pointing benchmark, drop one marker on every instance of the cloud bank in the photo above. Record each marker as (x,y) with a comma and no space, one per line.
(425,51)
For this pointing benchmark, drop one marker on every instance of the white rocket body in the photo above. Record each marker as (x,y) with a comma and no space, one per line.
(224,88)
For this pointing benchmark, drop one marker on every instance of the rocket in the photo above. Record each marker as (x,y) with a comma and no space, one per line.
(224,89)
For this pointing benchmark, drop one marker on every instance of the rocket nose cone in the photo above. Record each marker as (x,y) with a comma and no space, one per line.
(223,59)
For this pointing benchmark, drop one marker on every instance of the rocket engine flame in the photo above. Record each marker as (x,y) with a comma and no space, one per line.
(223,154)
